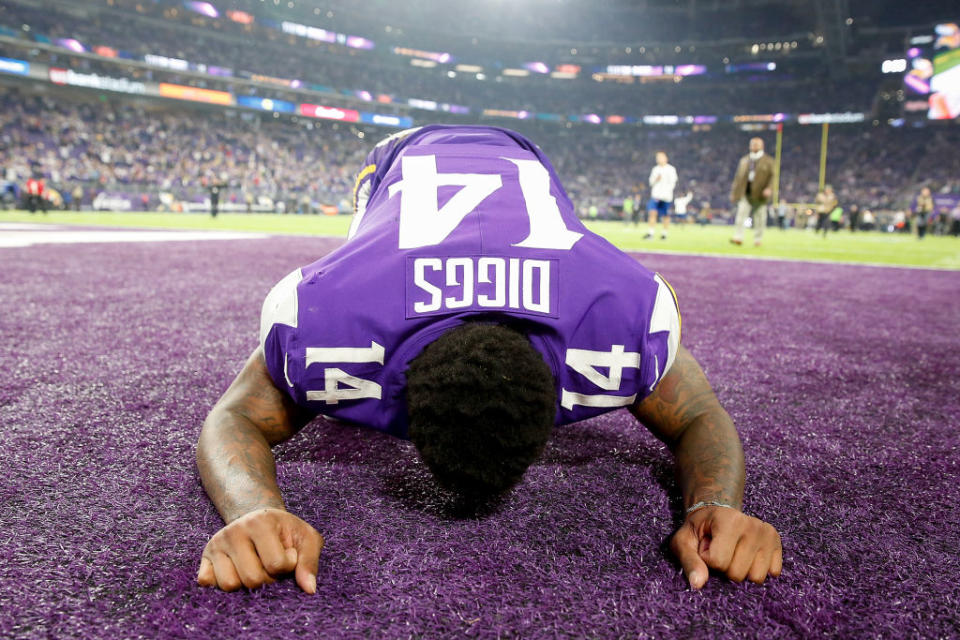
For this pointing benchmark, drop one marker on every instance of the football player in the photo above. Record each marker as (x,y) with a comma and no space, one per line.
(470,312)
(663,180)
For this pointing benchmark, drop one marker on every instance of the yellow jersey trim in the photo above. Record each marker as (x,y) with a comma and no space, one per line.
(677,305)
(367,170)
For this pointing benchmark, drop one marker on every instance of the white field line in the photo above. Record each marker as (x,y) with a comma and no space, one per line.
(701,254)
(30,238)
(25,234)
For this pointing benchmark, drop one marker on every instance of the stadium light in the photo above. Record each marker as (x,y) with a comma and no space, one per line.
(896,65)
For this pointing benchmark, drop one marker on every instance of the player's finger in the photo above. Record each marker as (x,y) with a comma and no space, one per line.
(723,542)
(273,557)
(760,567)
(685,545)
(776,565)
(742,560)
(226,573)
(206,576)
(248,565)
(308,547)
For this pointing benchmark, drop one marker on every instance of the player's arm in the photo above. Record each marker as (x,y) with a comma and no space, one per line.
(684,413)
(261,540)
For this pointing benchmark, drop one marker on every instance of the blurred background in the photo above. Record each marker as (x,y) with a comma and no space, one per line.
(147,105)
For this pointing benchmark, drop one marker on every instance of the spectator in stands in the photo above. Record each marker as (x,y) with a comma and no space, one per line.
(751,190)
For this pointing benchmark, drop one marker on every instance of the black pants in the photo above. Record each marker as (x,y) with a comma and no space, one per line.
(955,228)
(854,221)
(214,205)
(921,231)
(34,202)
(822,219)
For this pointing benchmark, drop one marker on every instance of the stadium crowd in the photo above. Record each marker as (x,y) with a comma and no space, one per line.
(124,148)
(177,151)
(164,154)
(373,73)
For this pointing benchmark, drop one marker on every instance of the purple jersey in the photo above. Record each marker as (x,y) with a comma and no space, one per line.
(457,223)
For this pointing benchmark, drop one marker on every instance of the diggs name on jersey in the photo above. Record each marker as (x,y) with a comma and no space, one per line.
(483,283)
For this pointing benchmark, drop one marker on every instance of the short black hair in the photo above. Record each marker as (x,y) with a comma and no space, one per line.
(481,402)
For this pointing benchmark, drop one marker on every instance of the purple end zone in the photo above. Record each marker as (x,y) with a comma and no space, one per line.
(843,382)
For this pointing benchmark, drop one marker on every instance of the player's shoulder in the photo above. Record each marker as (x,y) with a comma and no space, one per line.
(281,305)
(397,137)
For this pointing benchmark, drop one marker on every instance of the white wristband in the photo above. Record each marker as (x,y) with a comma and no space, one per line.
(701,505)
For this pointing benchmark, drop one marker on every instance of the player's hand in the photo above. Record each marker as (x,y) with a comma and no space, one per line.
(767,192)
(253,550)
(740,546)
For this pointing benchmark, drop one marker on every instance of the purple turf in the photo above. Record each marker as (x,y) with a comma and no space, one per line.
(843,381)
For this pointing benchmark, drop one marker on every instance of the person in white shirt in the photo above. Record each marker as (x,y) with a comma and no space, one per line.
(680,205)
(663,180)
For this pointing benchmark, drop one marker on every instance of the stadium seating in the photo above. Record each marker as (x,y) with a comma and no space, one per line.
(158,153)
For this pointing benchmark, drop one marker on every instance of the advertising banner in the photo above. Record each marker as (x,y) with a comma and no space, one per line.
(95,81)
(266,104)
(17,67)
(401,122)
(329,113)
(195,94)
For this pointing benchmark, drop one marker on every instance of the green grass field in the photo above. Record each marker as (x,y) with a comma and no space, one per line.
(843,246)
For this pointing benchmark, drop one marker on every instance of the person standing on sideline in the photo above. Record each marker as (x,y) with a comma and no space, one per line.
(836,218)
(826,202)
(751,190)
(922,211)
(628,206)
(36,194)
(782,211)
(955,221)
(680,207)
(854,215)
(214,189)
(663,180)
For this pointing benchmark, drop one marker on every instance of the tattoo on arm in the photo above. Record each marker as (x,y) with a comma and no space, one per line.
(684,412)
(237,466)
(233,455)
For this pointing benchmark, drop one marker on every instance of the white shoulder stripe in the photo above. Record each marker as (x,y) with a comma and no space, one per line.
(280,305)
(665,317)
